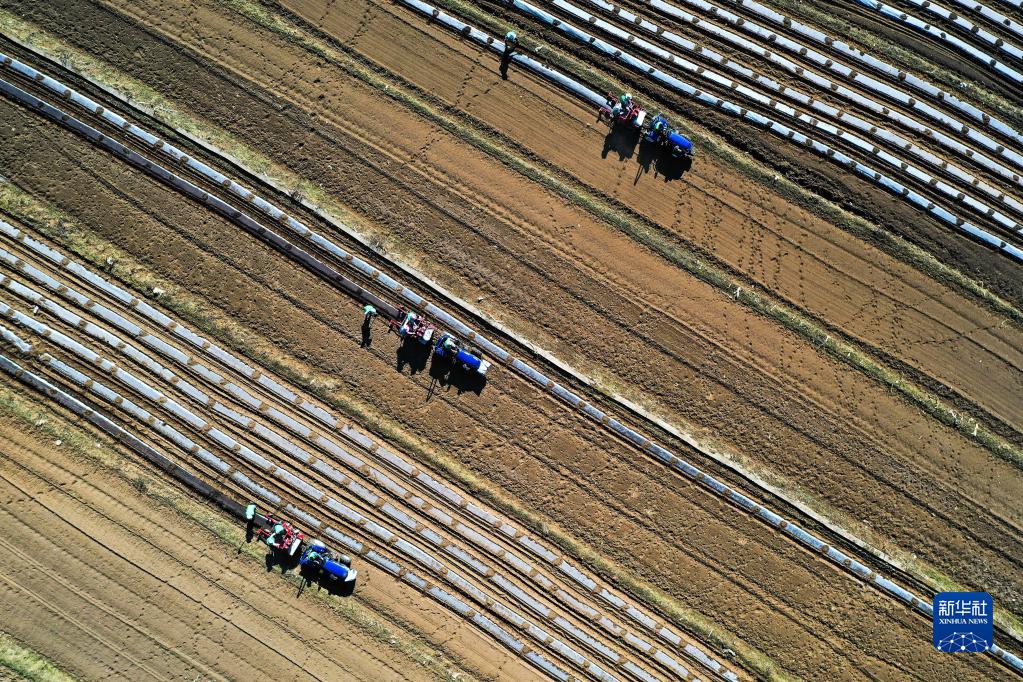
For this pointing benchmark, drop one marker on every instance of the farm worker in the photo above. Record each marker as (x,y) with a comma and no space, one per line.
(626,100)
(272,540)
(450,345)
(511,43)
(367,337)
(316,557)
(660,128)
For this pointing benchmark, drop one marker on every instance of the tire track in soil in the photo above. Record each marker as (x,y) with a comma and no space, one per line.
(862,430)
(761,255)
(298,303)
(411,24)
(353,339)
(264,481)
(201,563)
(288,497)
(871,194)
(9,585)
(54,581)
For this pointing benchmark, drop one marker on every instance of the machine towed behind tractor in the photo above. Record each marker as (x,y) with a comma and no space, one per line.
(316,563)
(624,115)
(411,326)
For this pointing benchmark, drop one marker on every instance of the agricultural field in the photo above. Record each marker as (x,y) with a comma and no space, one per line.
(734,414)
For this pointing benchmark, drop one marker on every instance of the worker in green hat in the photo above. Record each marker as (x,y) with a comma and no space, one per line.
(369,312)
(511,43)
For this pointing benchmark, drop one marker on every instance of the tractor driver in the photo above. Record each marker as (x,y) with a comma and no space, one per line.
(660,129)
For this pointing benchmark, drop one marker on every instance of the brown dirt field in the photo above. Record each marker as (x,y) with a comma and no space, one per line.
(740,574)
(110,585)
(781,247)
(795,409)
(492,559)
(857,289)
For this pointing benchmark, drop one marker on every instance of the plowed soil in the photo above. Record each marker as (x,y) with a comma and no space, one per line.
(609,306)
(612,307)
(109,585)
(739,574)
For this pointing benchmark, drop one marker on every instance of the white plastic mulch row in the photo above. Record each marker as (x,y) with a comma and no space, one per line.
(788,528)
(382,536)
(992,15)
(849,52)
(353,464)
(442,493)
(382,561)
(785,132)
(836,85)
(881,136)
(961,45)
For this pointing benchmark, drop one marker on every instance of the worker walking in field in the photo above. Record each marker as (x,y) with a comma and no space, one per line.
(511,43)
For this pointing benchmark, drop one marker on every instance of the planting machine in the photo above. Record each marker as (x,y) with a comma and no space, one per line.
(623,114)
(409,325)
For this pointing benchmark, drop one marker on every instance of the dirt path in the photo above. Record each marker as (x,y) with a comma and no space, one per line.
(112,586)
(699,553)
(594,289)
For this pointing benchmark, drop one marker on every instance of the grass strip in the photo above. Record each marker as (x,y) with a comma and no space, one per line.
(834,346)
(66,232)
(41,420)
(28,664)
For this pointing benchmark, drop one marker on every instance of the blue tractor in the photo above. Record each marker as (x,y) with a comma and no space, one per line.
(449,349)
(669,139)
(320,565)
